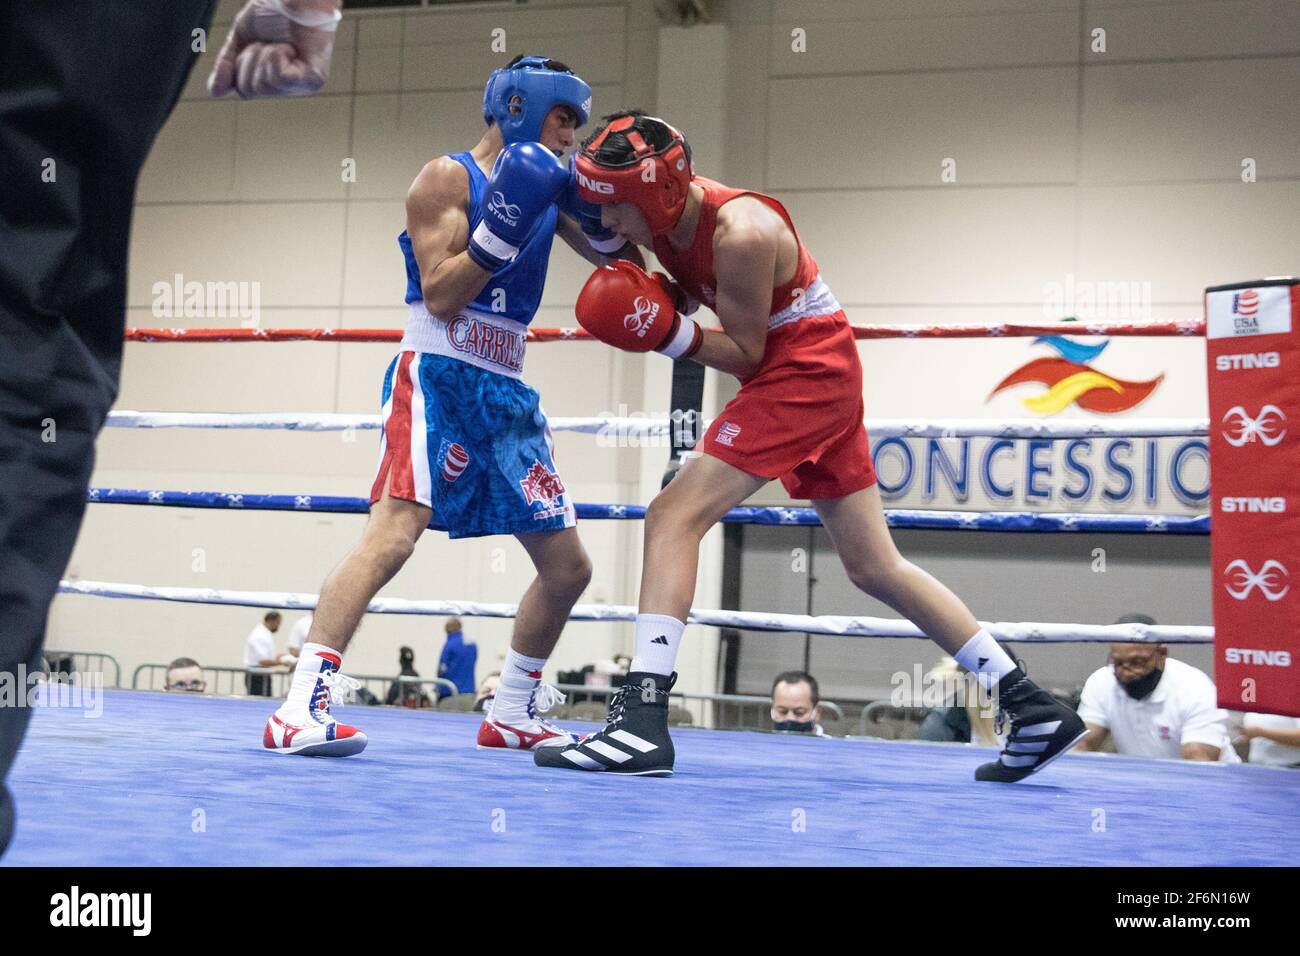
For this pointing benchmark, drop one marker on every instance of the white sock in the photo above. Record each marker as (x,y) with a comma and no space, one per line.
(312,660)
(982,656)
(520,676)
(657,638)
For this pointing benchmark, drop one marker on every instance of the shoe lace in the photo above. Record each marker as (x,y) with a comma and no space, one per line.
(545,696)
(616,705)
(1005,721)
(341,687)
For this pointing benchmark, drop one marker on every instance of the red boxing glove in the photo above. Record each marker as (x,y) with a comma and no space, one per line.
(625,308)
(685,304)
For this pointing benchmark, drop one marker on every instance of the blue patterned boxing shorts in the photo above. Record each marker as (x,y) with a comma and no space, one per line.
(472,444)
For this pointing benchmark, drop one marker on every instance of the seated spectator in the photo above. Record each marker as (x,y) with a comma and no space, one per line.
(1274,739)
(1154,706)
(487,691)
(407,693)
(184,675)
(967,720)
(796,704)
(457,661)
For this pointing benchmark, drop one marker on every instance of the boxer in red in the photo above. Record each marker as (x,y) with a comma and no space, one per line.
(798,417)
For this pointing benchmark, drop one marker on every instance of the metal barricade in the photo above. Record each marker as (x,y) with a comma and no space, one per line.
(83,662)
(885,719)
(715,711)
(232,682)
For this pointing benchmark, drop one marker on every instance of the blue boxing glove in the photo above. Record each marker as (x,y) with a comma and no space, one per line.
(570,201)
(525,180)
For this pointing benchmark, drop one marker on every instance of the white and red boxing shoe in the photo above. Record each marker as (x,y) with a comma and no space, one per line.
(312,731)
(531,731)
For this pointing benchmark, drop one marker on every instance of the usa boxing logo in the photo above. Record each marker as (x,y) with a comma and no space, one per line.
(727,433)
(507,211)
(454,461)
(1268,427)
(1245,303)
(1272,580)
(643,315)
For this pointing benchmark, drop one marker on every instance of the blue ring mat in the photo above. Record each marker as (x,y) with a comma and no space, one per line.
(123,789)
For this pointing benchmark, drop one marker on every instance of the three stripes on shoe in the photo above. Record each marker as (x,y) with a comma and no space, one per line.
(602,747)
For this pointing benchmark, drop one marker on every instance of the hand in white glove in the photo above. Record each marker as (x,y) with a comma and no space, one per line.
(277,48)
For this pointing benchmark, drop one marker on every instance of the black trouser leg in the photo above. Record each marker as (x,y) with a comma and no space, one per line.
(85,85)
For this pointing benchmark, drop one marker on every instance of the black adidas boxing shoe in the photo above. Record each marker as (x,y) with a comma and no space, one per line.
(1042,728)
(634,740)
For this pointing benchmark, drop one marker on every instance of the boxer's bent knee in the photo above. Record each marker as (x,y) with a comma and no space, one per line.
(878,577)
(675,516)
(566,573)
(388,544)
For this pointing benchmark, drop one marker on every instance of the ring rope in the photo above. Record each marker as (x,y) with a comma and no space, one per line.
(1016,632)
(1184,327)
(637,427)
(896,517)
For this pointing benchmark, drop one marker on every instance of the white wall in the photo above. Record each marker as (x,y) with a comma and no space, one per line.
(1115,167)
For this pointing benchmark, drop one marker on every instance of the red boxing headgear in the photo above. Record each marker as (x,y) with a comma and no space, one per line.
(653,180)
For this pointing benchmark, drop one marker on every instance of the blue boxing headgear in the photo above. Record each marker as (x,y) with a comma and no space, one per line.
(518,97)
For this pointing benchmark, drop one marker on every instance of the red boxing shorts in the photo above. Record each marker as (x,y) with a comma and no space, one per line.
(799,418)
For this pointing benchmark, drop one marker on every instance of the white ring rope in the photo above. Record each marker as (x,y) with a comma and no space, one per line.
(1017,632)
(647,427)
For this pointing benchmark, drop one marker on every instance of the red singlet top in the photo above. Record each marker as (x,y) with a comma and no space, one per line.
(693,267)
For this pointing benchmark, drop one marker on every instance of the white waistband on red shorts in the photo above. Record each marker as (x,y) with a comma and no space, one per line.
(817,299)
(482,339)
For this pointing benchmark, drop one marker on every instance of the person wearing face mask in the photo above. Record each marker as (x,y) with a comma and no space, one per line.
(1154,706)
(796,704)
(407,693)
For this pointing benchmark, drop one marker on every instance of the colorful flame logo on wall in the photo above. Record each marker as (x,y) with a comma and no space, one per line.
(1071,380)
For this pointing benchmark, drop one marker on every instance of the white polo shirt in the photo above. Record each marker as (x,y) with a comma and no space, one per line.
(259,647)
(298,636)
(1181,710)
(1271,752)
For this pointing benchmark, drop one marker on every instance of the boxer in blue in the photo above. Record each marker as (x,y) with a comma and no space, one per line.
(465,442)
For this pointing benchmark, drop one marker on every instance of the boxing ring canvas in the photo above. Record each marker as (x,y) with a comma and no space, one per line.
(165,780)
